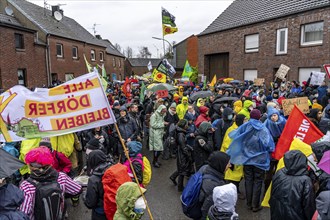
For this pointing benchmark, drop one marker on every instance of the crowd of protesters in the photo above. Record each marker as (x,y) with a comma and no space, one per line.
(229,134)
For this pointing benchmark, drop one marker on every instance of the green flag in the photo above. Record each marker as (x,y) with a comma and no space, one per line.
(187,70)
(143,89)
(168,18)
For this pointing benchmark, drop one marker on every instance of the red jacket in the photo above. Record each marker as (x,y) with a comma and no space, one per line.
(202,117)
(61,162)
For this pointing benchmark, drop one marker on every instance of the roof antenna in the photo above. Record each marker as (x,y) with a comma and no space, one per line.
(94,28)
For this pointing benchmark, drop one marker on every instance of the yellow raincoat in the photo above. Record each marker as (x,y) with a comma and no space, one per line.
(235,174)
(296,144)
(181,109)
(237,106)
(63,144)
(26,146)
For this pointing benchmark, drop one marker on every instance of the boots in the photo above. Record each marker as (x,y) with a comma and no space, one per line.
(155,161)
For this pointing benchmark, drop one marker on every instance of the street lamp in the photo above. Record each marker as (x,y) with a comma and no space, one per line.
(171,47)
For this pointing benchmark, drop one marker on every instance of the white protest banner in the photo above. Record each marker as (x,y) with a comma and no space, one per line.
(317,78)
(282,71)
(76,105)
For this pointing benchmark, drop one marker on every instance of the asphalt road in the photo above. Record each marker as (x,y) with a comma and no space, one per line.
(164,199)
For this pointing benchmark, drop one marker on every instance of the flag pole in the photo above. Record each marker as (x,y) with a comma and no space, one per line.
(163,31)
(132,168)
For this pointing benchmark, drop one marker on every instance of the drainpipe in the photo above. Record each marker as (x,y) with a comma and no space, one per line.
(48,63)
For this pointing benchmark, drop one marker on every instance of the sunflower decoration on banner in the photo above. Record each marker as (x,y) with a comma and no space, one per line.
(160,77)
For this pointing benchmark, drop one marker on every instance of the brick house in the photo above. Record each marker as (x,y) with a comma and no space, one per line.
(251,39)
(18,49)
(66,41)
(187,49)
(138,66)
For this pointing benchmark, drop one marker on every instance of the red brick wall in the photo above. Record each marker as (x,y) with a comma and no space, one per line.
(192,50)
(118,69)
(266,60)
(32,58)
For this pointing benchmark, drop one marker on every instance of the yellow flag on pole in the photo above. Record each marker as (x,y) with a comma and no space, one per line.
(214,81)
(169,30)
(160,77)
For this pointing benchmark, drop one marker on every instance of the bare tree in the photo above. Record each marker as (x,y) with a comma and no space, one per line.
(144,52)
(117,46)
(128,52)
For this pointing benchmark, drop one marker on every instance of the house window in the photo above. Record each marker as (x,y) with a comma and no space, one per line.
(312,34)
(282,41)
(113,62)
(59,50)
(19,41)
(21,74)
(93,55)
(304,73)
(252,43)
(75,52)
(101,56)
(69,76)
(119,62)
(250,74)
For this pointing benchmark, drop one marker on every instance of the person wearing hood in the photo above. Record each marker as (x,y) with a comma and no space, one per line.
(182,108)
(322,206)
(203,116)
(127,128)
(247,108)
(235,173)
(221,125)
(203,146)
(172,119)
(157,128)
(191,130)
(237,106)
(275,123)
(135,115)
(251,146)
(11,198)
(292,194)
(134,150)
(315,116)
(115,109)
(224,199)
(94,194)
(218,163)
(184,157)
(200,102)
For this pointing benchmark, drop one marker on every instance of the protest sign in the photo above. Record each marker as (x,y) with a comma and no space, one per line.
(76,105)
(301,103)
(282,71)
(162,93)
(259,81)
(327,69)
(317,78)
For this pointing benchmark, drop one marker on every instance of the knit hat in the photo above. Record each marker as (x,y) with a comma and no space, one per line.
(39,157)
(173,105)
(116,103)
(255,114)
(123,108)
(269,98)
(134,148)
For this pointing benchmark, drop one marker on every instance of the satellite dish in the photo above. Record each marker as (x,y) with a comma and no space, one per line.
(9,11)
(58,16)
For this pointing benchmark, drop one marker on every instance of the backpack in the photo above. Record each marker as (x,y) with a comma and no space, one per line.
(137,159)
(147,172)
(191,205)
(49,200)
(112,179)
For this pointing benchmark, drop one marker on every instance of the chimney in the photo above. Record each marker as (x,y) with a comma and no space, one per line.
(98,37)
(55,8)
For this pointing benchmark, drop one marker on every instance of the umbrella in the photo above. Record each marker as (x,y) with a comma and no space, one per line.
(227,80)
(226,99)
(161,86)
(9,164)
(324,164)
(200,94)
(225,86)
(236,81)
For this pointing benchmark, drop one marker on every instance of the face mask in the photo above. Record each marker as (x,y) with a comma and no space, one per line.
(139,206)
(230,117)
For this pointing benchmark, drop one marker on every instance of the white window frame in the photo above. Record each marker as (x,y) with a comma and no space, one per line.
(101,56)
(304,73)
(113,62)
(251,43)
(278,41)
(76,48)
(59,55)
(250,74)
(302,38)
(69,76)
(92,55)
(119,62)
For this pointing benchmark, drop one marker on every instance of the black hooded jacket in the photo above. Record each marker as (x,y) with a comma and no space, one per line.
(216,168)
(184,157)
(203,146)
(292,194)
(94,193)
(221,127)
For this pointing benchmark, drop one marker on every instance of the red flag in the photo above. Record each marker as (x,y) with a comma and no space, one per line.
(126,87)
(299,126)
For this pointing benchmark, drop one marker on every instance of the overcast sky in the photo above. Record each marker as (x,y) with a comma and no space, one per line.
(134,23)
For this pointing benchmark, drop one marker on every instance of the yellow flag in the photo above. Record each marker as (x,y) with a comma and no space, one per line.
(169,30)
(88,65)
(214,81)
(160,77)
